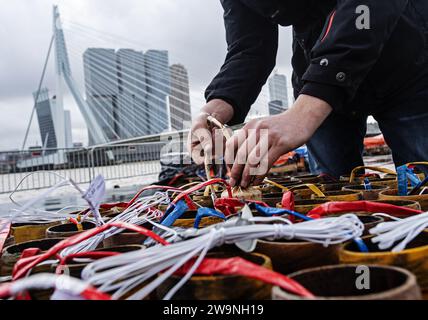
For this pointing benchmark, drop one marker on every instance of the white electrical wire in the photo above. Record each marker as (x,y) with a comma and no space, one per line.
(10,218)
(64,286)
(61,177)
(192,270)
(138,213)
(385,215)
(122,273)
(404,230)
(38,216)
(26,213)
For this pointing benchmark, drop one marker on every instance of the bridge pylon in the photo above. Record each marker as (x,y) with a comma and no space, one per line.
(64,77)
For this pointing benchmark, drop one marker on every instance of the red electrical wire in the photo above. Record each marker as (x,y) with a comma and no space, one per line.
(201,186)
(175,178)
(107,206)
(363,206)
(154,187)
(90,255)
(89,293)
(185,193)
(23,266)
(228,205)
(242,267)
(287,200)
(5,290)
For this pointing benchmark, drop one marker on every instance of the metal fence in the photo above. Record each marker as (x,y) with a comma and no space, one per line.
(37,168)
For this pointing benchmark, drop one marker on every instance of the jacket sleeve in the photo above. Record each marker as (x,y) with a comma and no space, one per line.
(345,54)
(252,47)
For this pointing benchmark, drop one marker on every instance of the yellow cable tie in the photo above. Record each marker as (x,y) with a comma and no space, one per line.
(378,169)
(276,185)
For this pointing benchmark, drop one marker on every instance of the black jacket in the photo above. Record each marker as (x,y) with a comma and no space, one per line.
(351,69)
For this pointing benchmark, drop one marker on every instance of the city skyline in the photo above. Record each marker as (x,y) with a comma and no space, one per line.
(45,111)
(134,93)
(180,107)
(45,118)
(130,19)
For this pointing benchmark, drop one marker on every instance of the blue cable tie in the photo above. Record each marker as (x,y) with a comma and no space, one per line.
(367,184)
(173,214)
(207,212)
(269,212)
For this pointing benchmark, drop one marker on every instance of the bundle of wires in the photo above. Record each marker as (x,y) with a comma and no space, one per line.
(403,231)
(14,217)
(66,288)
(26,213)
(124,273)
(39,216)
(139,213)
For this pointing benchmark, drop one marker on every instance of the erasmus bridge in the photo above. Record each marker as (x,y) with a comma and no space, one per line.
(136,107)
(125,80)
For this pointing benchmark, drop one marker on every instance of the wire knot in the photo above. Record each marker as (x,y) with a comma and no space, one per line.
(221,234)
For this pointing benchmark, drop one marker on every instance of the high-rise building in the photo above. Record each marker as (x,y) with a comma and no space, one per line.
(278,93)
(46,115)
(132,93)
(128,91)
(179,103)
(101,85)
(67,129)
(157,77)
(276,107)
(45,118)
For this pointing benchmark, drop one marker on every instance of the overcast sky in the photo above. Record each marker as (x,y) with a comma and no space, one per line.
(192,31)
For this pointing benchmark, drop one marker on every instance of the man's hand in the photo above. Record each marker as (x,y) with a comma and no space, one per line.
(200,140)
(253,150)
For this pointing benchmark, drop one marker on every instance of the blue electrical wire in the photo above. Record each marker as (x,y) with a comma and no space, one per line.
(174,212)
(269,211)
(207,212)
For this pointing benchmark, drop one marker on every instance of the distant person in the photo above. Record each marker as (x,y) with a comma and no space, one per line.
(349,61)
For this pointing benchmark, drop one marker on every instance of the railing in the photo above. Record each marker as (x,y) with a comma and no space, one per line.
(125,161)
(35,168)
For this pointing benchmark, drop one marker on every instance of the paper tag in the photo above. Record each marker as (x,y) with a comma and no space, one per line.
(95,195)
(244,220)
